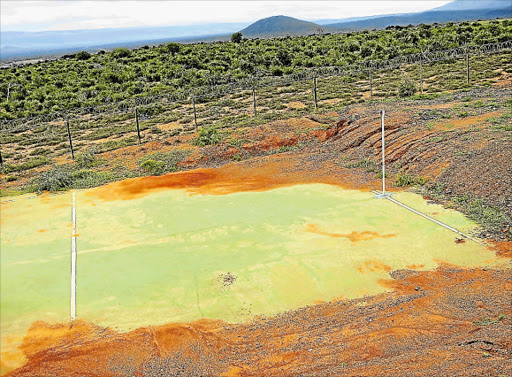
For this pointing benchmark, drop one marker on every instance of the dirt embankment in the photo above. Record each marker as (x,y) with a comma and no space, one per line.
(447,322)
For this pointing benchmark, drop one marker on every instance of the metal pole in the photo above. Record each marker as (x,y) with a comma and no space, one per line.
(70,142)
(316,98)
(137,121)
(195,114)
(254,100)
(371,84)
(467,62)
(73,259)
(383,159)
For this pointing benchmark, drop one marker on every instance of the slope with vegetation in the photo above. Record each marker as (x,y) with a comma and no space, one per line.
(83,80)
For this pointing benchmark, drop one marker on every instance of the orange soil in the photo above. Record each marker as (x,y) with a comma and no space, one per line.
(468,121)
(423,327)
(224,180)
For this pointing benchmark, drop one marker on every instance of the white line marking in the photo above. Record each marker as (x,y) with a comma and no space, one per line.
(73,260)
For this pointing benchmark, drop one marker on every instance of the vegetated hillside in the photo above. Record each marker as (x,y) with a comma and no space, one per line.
(281,25)
(86,80)
(459,10)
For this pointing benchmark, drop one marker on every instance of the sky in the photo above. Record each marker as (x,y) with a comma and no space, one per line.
(42,15)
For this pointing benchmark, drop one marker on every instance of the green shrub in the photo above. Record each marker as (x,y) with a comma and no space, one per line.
(86,160)
(404,179)
(82,55)
(153,167)
(366,164)
(207,136)
(407,88)
(55,179)
(163,162)
(11,178)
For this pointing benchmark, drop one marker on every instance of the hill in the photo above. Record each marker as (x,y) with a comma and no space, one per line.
(459,10)
(281,25)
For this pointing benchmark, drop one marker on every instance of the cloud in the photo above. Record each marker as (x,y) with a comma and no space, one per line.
(74,14)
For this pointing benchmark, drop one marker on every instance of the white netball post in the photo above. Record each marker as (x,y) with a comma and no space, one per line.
(383,195)
(73,259)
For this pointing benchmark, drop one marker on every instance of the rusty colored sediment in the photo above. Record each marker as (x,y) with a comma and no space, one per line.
(353,237)
(426,319)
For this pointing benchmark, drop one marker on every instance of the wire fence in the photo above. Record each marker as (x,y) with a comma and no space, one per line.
(245,102)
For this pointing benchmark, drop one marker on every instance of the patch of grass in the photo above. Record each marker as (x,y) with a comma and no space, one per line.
(404,179)
(490,321)
(366,164)
(434,139)
(39,151)
(426,96)
(491,217)
(30,164)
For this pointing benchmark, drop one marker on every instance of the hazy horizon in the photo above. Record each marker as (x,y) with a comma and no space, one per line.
(35,16)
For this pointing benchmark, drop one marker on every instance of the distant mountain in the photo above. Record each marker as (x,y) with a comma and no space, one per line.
(474,4)
(458,10)
(279,26)
(16,44)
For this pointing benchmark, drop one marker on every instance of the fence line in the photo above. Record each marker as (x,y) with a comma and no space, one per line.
(252,83)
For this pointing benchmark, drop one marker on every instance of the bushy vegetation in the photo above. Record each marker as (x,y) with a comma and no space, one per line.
(491,217)
(82,79)
(407,88)
(404,179)
(71,176)
(163,162)
(207,136)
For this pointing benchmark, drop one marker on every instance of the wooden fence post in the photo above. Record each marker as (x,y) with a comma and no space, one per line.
(195,113)
(254,100)
(316,97)
(421,73)
(371,84)
(467,62)
(137,121)
(70,141)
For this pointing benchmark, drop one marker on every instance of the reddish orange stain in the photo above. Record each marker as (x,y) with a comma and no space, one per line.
(353,237)
(373,265)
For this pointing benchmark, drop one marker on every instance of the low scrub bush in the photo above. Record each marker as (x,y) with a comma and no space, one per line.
(163,162)
(207,136)
(407,88)
(153,167)
(56,179)
(404,179)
